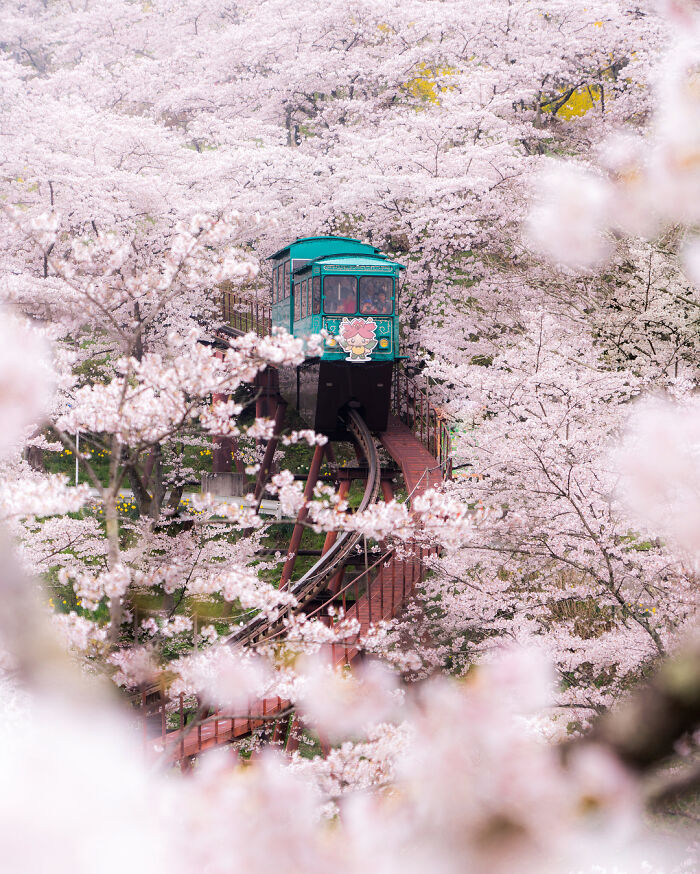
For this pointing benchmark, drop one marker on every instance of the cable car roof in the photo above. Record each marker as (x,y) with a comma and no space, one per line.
(310,248)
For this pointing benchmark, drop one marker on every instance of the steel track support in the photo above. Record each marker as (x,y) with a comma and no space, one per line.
(332,461)
(343,490)
(294,736)
(221,446)
(267,384)
(336,579)
(311,481)
(280,732)
(266,466)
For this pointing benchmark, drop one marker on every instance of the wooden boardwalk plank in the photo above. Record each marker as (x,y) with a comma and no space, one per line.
(420,469)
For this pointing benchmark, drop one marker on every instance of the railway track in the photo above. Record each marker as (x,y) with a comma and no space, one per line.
(315,579)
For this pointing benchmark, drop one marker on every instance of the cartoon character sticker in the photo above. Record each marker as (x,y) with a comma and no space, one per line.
(358,338)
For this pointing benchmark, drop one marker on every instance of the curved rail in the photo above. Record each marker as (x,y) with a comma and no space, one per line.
(331,561)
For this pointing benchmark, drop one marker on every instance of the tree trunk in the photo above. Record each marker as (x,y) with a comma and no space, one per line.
(157,487)
(34,456)
(112,529)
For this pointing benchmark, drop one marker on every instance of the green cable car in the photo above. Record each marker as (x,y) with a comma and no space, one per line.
(349,290)
(332,283)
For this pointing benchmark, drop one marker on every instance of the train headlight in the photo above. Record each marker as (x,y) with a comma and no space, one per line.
(331,341)
(383,343)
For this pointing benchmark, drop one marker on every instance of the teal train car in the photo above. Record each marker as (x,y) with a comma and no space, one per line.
(349,290)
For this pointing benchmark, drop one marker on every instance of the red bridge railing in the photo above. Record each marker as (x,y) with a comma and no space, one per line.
(411,403)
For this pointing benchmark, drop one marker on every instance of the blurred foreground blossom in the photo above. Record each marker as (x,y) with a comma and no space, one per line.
(466,787)
(660,463)
(83,801)
(478,791)
(25,378)
(690,257)
(343,705)
(223,677)
(566,224)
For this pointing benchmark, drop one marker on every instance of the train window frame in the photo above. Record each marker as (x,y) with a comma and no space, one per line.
(307,291)
(316,295)
(390,298)
(275,284)
(302,286)
(286,282)
(327,276)
(297,301)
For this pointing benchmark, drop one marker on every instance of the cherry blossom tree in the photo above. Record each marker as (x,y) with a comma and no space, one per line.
(443,118)
(154,151)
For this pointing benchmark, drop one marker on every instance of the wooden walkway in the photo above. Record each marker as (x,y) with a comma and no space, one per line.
(395,583)
(390,589)
(420,469)
(216,732)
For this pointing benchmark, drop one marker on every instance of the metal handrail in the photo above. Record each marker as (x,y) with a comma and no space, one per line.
(244,314)
(411,404)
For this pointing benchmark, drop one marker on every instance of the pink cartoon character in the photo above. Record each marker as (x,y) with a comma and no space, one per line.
(357,337)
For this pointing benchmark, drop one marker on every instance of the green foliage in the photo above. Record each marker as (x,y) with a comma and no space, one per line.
(590,619)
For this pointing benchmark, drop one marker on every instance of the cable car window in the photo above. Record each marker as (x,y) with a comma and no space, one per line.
(285,280)
(340,294)
(297,302)
(307,287)
(316,294)
(375,295)
(304,308)
(275,285)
